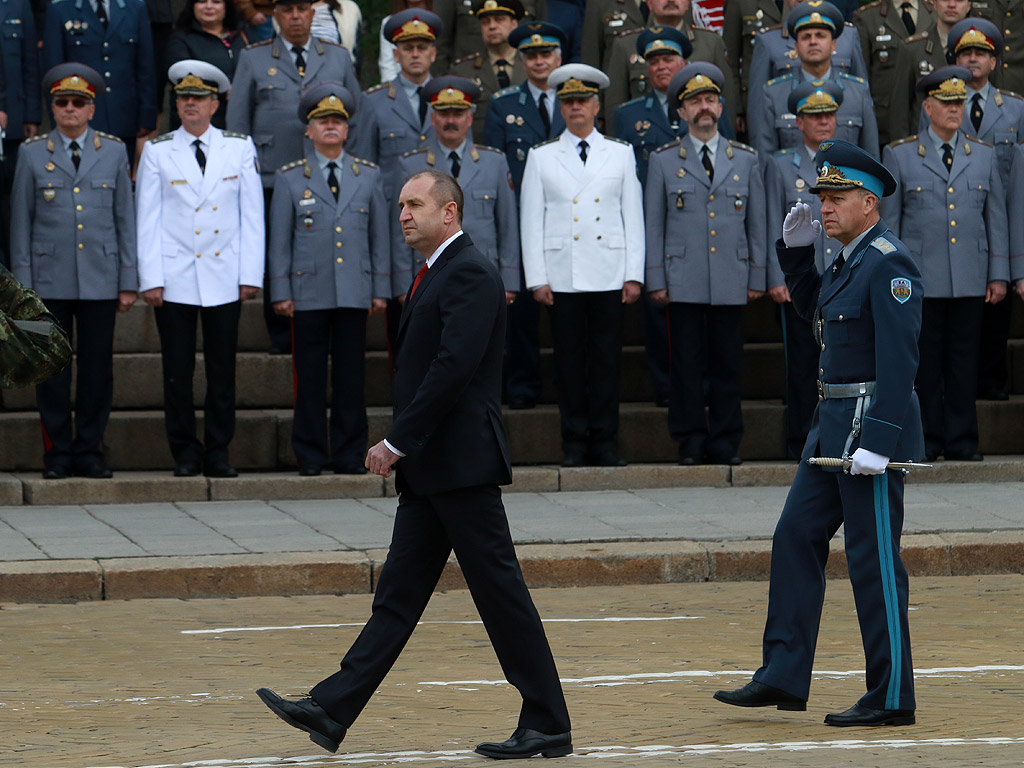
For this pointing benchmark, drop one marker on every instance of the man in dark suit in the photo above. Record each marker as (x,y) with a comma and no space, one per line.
(448,443)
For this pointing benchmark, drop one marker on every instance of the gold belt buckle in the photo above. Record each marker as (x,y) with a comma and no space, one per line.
(821,390)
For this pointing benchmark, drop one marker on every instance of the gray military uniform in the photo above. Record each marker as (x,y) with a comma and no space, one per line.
(489,215)
(324,253)
(73,232)
(265,97)
(776,128)
(478,69)
(744,19)
(392,129)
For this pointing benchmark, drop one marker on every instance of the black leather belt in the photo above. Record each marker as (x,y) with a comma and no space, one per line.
(834,391)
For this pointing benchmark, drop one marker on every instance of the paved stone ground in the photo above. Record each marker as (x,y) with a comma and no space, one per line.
(169,682)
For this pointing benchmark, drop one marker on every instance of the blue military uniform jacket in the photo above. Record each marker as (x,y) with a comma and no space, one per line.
(122,53)
(773,126)
(73,232)
(514,126)
(705,239)
(954,223)
(265,97)
(788,176)
(866,317)
(21,66)
(326,253)
(489,215)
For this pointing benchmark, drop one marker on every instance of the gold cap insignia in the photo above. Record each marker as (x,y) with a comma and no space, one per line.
(974,38)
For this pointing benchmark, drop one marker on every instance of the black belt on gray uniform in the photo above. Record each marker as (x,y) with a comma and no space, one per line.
(834,391)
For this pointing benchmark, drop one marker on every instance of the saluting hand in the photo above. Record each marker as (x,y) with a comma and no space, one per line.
(800,229)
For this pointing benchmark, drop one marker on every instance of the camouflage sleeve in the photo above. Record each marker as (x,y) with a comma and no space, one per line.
(33,347)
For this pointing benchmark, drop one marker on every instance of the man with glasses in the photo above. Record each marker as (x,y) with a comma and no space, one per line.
(200,231)
(73,243)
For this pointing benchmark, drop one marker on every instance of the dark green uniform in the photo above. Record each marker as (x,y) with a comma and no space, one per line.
(921,54)
(33,347)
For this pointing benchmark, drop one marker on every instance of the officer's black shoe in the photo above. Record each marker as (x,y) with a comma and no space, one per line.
(56,472)
(219,469)
(755,694)
(729,461)
(606,459)
(688,461)
(574,459)
(349,469)
(861,715)
(525,742)
(187,469)
(96,471)
(306,715)
(964,456)
(520,403)
(309,471)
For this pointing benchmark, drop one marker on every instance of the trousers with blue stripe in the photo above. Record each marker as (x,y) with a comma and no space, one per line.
(871,510)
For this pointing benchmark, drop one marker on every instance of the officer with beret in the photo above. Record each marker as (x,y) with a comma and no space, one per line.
(199,209)
(460,32)
(496,66)
(112,37)
(329,264)
(866,312)
(815,29)
(520,117)
(883,26)
(704,208)
(789,176)
(920,54)
(489,215)
(582,230)
(951,213)
(73,243)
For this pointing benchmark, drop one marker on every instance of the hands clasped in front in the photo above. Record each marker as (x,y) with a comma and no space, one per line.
(800,229)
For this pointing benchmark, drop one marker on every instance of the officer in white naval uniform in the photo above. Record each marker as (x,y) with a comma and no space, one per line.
(199,206)
(582,234)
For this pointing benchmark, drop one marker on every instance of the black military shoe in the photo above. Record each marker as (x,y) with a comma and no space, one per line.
(755,694)
(306,715)
(866,716)
(525,742)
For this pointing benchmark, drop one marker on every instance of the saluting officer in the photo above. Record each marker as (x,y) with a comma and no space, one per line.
(951,213)
(199,209)
(497,66)
(883,27)
(815,29)
(329,264)
(920,54)
(704,207)
(112,37)
(519,118)
(489,215)
(73,243)
(460,31)
(866,312)
(789,176)
(582,230)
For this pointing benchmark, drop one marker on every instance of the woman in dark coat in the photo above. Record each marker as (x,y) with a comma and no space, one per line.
(206,30)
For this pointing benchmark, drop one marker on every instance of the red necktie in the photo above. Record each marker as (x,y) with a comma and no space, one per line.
(416,282)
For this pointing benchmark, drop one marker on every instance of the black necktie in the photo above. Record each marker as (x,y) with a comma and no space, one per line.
(200,157)
(300,60)
(76,158)
(583,151)
(705,160)
(947,156)
(645,10)
(908,20)
(977,114)
(544,116)
(101,13)
(456,163)
(778,4)
(332,178)
(423,104)
(838,264)
(502,73)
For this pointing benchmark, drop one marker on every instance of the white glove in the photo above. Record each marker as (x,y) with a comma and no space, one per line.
(868,463)
(799,229)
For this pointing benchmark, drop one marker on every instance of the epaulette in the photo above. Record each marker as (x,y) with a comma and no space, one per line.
(883,245)
(1011,94)
(741,145)
(412,152)
(380,87)
(918,37)
(476,58)
(488,149)
(235,135)
(637,100)
(875,4)
(976,140)
(293,165)
(37,137)
(163,137)
(618,141)
(367,163)
(329,42)
(769,29)
(663,147)
(628,32)
(779,79)
(904,140)
(505,92)
(780,152)
(110,136)
(848,76)
(545,143)
(258,44)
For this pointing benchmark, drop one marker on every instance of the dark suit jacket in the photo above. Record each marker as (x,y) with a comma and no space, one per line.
(447,389)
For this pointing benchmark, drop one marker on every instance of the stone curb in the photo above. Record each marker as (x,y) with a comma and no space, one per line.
(544,565)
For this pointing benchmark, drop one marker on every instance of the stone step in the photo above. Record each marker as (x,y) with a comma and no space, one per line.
(136,439)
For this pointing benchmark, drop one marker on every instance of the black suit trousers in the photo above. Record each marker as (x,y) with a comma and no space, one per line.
(177,325)
(66,445)
(802,353)
(472,522)
(341,334)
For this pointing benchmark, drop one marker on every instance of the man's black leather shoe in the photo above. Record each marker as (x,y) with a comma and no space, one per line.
(964,456)
(306,715)
(309,471)
(755,694)
(574,459)
(606,459)
(521,403)
(187,469)
(220,469)
(349,469)
(525,742)
(688,461)
(729,461)
(56,472)
(95,471)
(861,715)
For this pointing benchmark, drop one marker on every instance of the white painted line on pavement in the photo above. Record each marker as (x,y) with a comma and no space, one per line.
(225,630)
(647,750)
